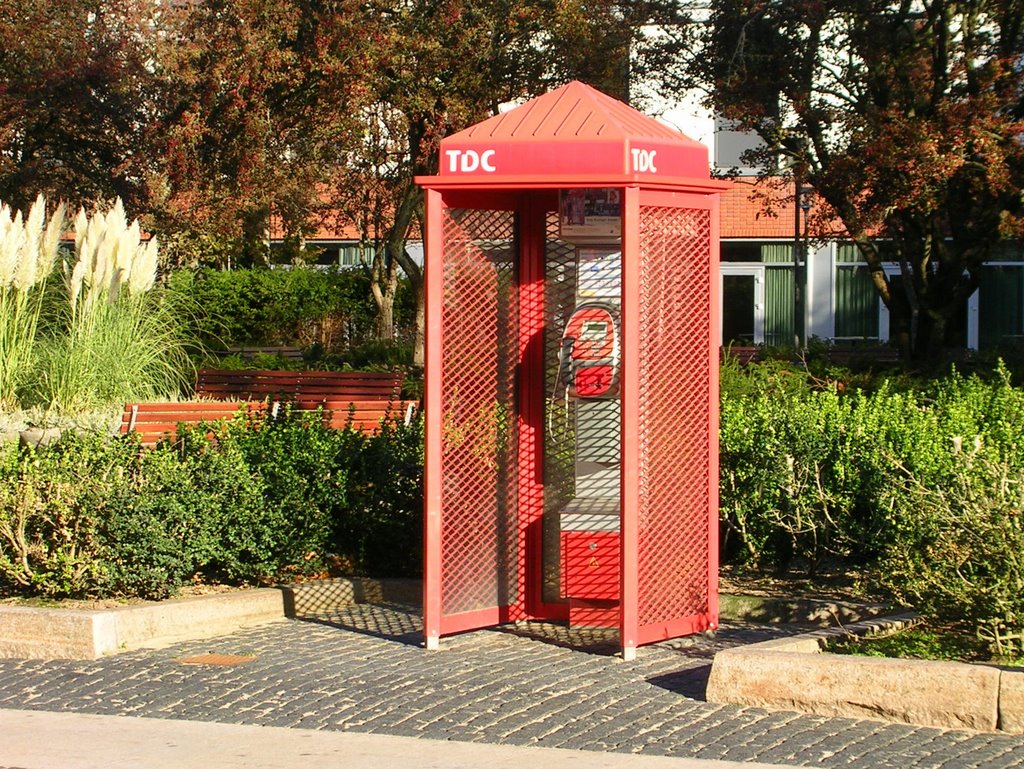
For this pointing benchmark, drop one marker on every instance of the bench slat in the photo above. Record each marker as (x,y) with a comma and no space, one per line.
(307,377)
(153,421)
(251,351)
(249,383)
(263,390)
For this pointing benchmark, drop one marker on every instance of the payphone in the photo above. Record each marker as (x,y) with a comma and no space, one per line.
(568,199)
(589,352)
(589,378)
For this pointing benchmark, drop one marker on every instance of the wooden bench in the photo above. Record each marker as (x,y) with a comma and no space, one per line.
(364,416)
(844,356)
(288,385)
(154,421)
(743,355)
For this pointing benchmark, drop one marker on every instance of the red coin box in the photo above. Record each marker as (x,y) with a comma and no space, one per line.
(590,564)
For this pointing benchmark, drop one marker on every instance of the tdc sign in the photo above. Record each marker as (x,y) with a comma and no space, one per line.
(643,161)
(468,161)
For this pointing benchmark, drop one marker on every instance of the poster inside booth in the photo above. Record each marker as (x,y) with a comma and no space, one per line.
(593,213)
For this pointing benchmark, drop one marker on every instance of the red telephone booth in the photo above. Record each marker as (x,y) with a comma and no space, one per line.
(571,378)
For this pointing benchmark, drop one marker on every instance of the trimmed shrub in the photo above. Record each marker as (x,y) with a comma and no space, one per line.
(250,500)
(327,311)
(922,488)
(159,529)
(381,530)
(52,504)
(957,555)
(302,469)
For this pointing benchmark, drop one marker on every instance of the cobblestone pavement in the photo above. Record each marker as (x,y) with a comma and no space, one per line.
(363,670)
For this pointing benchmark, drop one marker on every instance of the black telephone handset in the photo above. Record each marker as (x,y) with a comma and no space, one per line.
(565,359)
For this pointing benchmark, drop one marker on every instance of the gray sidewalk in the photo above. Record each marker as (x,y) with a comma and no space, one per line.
(362,671)
(35,740)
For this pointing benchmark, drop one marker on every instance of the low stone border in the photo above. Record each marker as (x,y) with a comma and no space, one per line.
(43,633)
(310,599)
(796,611)
(796,674)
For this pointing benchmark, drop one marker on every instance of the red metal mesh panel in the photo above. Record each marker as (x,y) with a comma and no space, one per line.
(674,396)
(559,414)
(479,354)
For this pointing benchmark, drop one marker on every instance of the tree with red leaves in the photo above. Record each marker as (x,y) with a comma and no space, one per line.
(906,117)
(442,65)
(75,99)
(261,114)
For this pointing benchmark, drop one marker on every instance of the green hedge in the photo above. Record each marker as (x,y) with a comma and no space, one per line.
(920,486)
(332,310)
(262,501)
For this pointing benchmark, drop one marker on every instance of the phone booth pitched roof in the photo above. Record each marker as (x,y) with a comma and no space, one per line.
(504,271)
(574,135)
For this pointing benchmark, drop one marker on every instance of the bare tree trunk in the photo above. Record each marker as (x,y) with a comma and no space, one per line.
(388,260)
(383,285)
(419,349)
(256,236)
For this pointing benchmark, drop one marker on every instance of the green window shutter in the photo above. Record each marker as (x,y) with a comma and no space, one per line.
(847,252)
(777,253)
(778,306)
(1000,304)
(856,310)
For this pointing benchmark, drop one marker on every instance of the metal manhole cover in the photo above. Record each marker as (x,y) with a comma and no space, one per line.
(216,659)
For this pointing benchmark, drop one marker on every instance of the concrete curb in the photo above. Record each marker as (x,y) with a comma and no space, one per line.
(796,674)
(42,633)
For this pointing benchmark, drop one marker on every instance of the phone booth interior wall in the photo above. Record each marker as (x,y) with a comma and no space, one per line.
(571,381)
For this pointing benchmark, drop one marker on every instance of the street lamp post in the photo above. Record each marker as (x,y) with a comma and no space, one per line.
(803,201)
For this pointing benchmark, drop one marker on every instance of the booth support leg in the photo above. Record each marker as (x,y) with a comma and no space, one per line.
(433,643)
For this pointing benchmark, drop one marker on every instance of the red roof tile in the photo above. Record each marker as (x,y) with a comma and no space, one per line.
(764,209)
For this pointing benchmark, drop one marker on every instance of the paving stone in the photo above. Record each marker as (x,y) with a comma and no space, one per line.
(363,670)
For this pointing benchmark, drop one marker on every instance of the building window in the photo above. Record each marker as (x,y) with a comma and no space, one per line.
(731,145)
(342,254)
(856,300)
(778,294)
(757,293)
(856,303)
(354,254)
(741,251)
(1000,305)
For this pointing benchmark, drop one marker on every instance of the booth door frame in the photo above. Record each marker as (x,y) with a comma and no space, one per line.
(531,207)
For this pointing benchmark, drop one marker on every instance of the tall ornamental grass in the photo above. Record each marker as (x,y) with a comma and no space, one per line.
(113,339)
(28,250)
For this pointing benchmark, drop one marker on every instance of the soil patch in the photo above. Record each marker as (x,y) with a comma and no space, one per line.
(96,604)
(844,586)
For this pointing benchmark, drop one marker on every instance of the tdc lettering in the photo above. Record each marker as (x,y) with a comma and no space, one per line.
(468,161)
(643,161)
